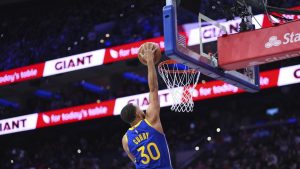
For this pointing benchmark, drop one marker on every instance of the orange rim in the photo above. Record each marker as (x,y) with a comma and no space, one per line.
(171,61)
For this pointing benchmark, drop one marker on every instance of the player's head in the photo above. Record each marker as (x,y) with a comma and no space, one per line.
(131,113)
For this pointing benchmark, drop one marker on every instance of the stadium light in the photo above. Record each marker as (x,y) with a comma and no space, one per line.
(135,77)
(92,87)
(292,120)
(272,111)
(7,103)
(107,43)
(46,94)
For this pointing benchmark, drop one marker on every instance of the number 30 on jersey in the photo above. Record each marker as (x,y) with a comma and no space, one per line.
(150,156)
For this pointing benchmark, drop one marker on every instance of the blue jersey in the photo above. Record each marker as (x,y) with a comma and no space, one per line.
(148,146)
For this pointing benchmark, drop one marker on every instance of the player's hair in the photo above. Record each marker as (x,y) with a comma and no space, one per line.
(128,114)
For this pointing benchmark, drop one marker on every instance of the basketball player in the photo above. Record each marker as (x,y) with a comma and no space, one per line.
(145,142)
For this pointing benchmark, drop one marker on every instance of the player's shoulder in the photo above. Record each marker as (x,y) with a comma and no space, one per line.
(154,125)
(124,138)
(148,122)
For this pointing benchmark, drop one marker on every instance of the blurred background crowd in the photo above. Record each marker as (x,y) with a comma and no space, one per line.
(45,30)
(226,133)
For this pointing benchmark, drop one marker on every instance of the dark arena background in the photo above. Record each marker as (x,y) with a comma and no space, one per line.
(67,67)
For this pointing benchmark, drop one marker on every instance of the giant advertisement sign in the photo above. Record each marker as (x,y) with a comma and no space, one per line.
(18,124)
(289,75)
(142,100)
(76,62)
(210,33)
(213,89)
(118,53)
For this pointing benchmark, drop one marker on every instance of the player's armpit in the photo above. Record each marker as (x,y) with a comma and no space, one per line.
(126,149)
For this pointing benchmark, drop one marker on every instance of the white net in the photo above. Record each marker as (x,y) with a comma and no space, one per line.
(181,81)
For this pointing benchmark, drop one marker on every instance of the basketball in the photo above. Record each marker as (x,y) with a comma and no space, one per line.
(157,54)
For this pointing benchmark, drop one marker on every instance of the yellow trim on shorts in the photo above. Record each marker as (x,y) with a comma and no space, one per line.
(148,122)
(135,126)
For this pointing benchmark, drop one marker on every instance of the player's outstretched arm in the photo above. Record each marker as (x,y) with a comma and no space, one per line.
(153,110)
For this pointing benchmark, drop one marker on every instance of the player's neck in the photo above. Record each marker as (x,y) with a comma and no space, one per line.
(136,121)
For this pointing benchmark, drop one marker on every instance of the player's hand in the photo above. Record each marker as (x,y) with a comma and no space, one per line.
(148,51)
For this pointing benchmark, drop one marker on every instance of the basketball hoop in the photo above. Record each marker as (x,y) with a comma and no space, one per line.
(181,82)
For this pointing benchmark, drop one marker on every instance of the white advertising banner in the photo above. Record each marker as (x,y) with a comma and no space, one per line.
(75,62)
(18,124)
(289,75)
(210,33)
(142,100)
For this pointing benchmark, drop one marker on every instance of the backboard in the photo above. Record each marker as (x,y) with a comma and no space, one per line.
(176,48)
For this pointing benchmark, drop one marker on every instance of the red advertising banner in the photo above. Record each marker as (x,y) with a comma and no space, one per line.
(75,114)
(103,56)
(259,46)
(269,79)
(213,89)
(22,74)
(129,51)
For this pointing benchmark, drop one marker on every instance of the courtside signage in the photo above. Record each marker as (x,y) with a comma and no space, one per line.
(75,114)
(219,88)
(142,100)
(210,33)
(114,54)
(18,124)
(76,62)
(268,79)
(122,52)
(289,75)
(213,89)
(128,51)
(21,74)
